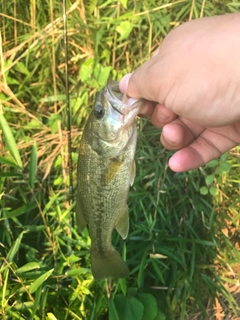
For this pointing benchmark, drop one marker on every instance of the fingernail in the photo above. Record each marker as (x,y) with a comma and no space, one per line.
(123,84)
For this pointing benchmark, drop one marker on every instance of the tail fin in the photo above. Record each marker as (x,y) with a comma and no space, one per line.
(110,264)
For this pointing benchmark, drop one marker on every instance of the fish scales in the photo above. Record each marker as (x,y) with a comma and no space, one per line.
(105,171)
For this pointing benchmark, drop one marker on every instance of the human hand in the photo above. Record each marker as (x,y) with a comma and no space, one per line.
(194,83)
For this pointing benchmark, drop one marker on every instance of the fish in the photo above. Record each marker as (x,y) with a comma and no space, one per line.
(106,170)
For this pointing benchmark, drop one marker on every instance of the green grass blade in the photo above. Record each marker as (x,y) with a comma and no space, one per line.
(36,301)
(33,165)
(23,209)
(10,141)
(141,269)
(4,289)
(50,316)
(10,174)
(8,162)
(39,281)
(15,248)
(14,315)
(28,267)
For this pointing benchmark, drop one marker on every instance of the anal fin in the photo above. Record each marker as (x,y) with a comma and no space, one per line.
(122,226)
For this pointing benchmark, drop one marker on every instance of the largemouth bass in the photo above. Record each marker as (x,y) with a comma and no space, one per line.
(106,169)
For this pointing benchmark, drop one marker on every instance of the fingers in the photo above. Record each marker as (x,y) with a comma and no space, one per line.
(208,146)
(179,134)
(198,145)
(174,136)
(146,108)
(161,116)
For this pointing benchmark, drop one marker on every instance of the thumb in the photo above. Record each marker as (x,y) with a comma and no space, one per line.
(143,82)
(123,84)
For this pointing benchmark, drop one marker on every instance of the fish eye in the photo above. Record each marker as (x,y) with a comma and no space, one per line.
(99,111)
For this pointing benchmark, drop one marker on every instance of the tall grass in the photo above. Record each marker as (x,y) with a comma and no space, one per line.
(182,247)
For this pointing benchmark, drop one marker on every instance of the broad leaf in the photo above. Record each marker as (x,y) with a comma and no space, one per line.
(128,308)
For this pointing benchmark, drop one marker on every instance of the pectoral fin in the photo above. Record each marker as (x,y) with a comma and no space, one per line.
(132,173)
(112,170)
(122,226)
(81,222)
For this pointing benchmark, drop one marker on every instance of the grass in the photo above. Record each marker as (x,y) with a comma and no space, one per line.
(182,249)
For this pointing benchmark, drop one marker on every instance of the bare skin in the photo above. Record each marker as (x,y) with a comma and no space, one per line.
(192,88)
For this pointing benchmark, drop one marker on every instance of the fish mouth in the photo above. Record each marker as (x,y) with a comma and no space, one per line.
(114,95)
(119,101)
(113,88)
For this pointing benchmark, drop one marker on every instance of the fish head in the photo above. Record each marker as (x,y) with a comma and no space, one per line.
(111,120)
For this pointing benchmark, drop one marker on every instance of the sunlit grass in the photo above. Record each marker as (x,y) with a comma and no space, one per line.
(183,245)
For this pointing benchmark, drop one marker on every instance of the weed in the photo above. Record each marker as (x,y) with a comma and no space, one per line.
(182,247)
